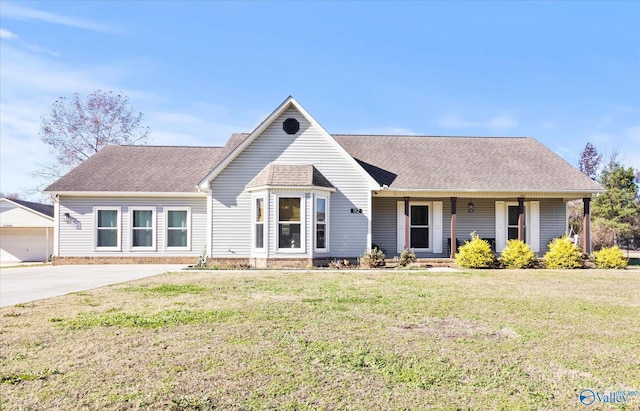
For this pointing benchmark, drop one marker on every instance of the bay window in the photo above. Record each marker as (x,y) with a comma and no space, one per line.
(289,223)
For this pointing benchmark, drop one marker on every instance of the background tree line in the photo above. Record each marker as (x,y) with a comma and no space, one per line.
(616,213)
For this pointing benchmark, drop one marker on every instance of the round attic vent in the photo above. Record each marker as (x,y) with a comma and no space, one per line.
(291,126)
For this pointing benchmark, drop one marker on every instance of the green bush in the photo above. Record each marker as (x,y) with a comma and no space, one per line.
(374,258)
(610,257)
(407,256)
(563,253)
(475,254)
(517,254)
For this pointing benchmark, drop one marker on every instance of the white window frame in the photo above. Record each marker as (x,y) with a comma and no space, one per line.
(326,224)
(166,211)
(96,210)
(430,226)
(265,222)
(132,210)
(303,219)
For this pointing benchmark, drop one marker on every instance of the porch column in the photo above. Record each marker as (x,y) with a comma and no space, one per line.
(586,236)
(406,223)
(454,210)
(521,235)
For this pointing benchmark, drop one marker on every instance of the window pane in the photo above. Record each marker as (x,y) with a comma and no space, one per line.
(142,218)
(143,238)
(108,238)
(420,215)
(320,236)
(107,218)
(289,235)
(260,210)
(177,218)
(513,215)
(176,238)
(419,237)
(513,233)
(321,205)
(259,235)
(289,209)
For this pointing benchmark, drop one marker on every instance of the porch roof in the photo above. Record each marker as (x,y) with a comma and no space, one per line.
(510,164)
(290,175)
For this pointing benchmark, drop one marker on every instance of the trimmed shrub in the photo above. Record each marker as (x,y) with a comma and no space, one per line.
(407,256)
(475,254)
(517,254)
(611,257)
(372,259)
(563,254)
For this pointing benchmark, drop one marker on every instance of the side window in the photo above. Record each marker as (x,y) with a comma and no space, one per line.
(107,235)
(142,228)
(259,220)
(178,223)
(321,218)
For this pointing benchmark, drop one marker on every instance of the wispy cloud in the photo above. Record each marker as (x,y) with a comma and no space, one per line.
(497,123)
(6,34)
(20,12)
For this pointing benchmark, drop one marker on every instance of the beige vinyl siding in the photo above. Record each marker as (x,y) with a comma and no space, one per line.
(76,238)
(232,204)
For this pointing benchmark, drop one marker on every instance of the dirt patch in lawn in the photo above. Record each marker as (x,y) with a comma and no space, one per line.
(451,328)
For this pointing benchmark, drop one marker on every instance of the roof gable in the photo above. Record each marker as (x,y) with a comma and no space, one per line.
(38,209)
(289,175)
(290,102)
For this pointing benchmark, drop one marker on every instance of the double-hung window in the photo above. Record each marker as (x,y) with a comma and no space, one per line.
(259,221)
(178,223)
(143,228)
(289,223)
(321,223)
(107,225)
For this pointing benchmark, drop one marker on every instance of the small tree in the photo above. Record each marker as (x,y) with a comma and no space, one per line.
(475,253)
(563,253)
(517,254)
(77,128)
(589,161)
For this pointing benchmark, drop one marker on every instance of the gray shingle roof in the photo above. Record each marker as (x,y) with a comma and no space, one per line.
(401,162)
(45,209)
(289,175)
(141,169)
(464,163)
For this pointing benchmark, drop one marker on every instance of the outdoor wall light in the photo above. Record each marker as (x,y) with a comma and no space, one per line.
(67,218)
(470,207)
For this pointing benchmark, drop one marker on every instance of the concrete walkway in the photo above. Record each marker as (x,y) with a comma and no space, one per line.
(24,284)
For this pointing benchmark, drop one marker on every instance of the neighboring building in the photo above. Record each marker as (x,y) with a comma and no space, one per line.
(291,194)
(26,231)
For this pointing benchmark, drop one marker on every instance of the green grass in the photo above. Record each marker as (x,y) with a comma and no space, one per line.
(315,340)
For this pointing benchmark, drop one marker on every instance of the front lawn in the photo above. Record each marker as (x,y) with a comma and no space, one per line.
(352,340)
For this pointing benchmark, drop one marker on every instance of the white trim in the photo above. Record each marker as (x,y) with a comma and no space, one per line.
(56,225)
(126,194)
(435,227)
(501,227)
(288,103)
(153,228)
(534,226)
(118,227)
(209,239)
(295,188)
(265,223)
(303,218)
(325,249)
(165,211)
(399,193)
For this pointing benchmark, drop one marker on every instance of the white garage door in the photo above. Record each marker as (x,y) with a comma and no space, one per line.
(24,244)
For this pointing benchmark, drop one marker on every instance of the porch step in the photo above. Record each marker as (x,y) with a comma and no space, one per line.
(424,262)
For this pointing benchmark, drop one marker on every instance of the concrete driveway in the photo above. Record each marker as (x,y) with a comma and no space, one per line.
(26,284)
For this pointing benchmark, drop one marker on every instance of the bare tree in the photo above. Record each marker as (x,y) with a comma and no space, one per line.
(589,161)
(10,196)
(77,128)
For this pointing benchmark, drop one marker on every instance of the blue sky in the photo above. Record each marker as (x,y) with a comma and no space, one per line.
(566,73)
